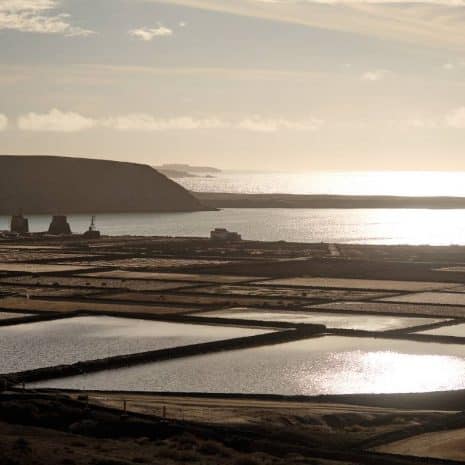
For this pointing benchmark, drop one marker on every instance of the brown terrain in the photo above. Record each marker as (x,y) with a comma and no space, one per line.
(182,279)
(43,184)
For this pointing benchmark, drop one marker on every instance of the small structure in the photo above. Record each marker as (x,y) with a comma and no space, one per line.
(19,224)
(222,234)
(92,232)
(59,226)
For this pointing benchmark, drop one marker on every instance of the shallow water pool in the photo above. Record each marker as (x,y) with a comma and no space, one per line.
(65,341)
(323,365)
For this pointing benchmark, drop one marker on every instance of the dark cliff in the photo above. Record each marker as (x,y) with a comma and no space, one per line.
(43,184)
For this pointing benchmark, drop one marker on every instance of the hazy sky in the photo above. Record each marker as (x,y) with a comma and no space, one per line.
(262,84)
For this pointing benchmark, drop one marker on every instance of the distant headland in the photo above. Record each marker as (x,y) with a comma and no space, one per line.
(51,185)
(178,170)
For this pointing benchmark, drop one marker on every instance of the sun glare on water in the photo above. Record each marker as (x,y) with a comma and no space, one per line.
(385,372)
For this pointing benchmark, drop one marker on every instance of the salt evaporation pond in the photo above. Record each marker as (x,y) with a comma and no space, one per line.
(454,330)
(10,315)
(50,343)
(330,320)
(323,365)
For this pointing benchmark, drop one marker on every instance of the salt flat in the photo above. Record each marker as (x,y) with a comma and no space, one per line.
(438,298)
(8,316)
(291,292)
(454,331)
(321,365)
(329,319)
(40,268)
(95,283)
(394,308)
(371,284)
(42,305)
(34,345)
(201,278)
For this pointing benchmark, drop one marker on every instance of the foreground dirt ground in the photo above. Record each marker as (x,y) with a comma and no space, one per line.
(442,445)
(37,429)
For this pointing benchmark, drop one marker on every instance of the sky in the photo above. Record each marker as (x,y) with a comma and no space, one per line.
(283,85)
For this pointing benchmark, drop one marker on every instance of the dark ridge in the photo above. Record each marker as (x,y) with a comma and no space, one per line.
(50,185)
(229,200)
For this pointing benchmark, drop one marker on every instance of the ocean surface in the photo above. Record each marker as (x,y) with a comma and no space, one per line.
(404,183)
(377,226)
(364,226)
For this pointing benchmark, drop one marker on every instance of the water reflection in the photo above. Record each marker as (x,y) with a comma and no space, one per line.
(326,365)
(385,372)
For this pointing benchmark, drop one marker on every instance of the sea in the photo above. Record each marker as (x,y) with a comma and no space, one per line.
(362,226)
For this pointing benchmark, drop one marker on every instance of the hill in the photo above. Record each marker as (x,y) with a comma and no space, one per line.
(44,184)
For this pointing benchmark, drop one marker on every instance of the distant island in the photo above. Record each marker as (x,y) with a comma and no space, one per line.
(177,170)
(50,185)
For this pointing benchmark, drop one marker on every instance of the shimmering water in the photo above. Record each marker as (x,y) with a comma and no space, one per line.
(50,343)
(364,226)
(327,365)
(403,183)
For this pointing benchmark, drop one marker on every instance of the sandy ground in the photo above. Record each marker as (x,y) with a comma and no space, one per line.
(201,278)
(375,284)
(318,418)
(18,303)
(448,445)
(39,268)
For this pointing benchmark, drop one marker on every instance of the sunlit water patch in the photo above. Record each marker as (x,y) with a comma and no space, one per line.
(403,183)
(327,365)
(50,343)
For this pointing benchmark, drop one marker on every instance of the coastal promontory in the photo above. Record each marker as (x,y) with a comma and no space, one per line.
(49,184)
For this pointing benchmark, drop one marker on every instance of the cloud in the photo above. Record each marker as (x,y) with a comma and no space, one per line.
(37,16)
(456,118)
(260,124)
(3,122)
(376,75)
(147,34)
(145,122)
(182,24)
(431,22)
(59,121)
(55,121)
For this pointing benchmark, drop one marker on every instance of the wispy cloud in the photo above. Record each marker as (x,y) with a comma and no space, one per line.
(145,122)
(147,34)
(375,75)
(430,22)
(260,124)
(38,16)
(456,118)
(60,121)
(55,121)
(3,122)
